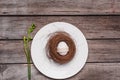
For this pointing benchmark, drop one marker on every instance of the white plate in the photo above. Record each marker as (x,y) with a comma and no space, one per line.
(47,66)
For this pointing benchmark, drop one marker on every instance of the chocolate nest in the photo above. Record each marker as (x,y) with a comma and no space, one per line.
(52,47)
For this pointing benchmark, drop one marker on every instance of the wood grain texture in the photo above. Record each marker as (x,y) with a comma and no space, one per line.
(12,52)
(91,71)
(92,26)
(99,51)
(102,33)
(62,7)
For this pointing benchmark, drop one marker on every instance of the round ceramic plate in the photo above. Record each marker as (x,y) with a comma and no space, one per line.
(47,66)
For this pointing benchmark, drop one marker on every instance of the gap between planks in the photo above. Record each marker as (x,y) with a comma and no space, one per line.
(86,39)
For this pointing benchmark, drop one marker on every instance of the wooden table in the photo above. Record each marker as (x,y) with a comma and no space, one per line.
(99,20)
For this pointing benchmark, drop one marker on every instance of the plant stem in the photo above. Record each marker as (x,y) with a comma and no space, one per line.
(29,62)
(29,70)
(27,52)
(26,41)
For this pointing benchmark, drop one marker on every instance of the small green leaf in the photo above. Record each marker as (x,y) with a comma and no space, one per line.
(24,39)
(30,30)
(30,38)
(33,26)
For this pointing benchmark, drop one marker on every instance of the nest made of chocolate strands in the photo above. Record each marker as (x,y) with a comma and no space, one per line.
(53,43)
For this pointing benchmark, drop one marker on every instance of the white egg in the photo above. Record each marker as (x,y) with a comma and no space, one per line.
(62,48)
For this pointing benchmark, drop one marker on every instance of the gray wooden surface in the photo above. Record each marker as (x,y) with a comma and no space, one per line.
(99,20)
(59,7)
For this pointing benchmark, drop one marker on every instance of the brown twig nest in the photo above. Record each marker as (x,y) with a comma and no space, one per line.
(53,42)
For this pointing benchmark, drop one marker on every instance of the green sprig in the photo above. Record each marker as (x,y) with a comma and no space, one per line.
(26,42)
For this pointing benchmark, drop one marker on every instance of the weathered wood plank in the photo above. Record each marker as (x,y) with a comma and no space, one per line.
(91,26)
(62,7)
(99,51)
(91,71)
(12,52)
